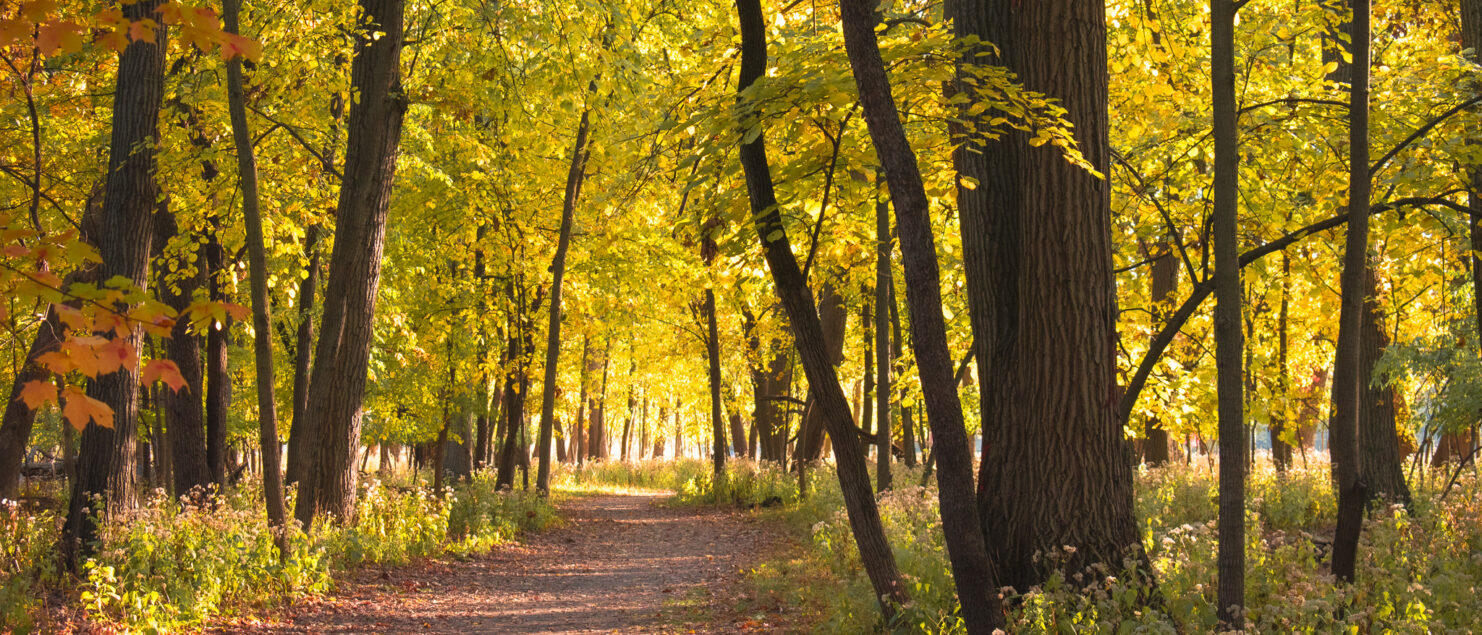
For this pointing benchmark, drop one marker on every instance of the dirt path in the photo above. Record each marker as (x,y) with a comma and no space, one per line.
(619,564)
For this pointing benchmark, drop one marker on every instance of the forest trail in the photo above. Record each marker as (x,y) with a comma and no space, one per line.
(615,567)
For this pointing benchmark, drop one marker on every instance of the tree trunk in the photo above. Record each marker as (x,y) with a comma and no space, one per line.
(597,445)
(712,354)
(1383,470)
(105,460)
(833,318)
(1229,340)
(15,432)
(1164,292)
(340,359)
(1037,255)
(298,431)
(792,290)
(1281,452)
(514,406)
(883,441)
(218,382)
(1347,384)
(184,410)
(908,428)
(574,177)
(966,549)
(262,321)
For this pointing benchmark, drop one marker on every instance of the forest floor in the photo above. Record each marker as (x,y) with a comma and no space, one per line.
(622,563)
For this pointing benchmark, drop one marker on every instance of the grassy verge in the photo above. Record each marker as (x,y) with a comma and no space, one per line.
(170,566)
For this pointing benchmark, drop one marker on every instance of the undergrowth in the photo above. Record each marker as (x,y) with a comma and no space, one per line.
(1420,571)
(171,565)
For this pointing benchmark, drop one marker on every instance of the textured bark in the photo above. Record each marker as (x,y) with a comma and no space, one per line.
(1037,255)
(574,177)
(184,410)
(303,356)
(262,321)
(738,433)
(218,382)
(792,290)
(966,549)
(1347,384)
(343,351)
(1163,293)
(1229,339)
(712,356)
(1379,442)
(105,459)
(579,428)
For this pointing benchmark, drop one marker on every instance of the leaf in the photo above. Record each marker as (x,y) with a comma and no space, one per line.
(237,311)
(37,393)
(59,37)
(234,45)
(166,371)
(81,408)
(142,31)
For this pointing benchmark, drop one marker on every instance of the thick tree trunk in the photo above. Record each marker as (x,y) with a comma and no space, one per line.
(792,290)
(262,322)
(338,378)
(1347,383)
(1383,464)
(1229,340)
(1037,255)
(574,177)
(966,549)
(105,459)
(303,355)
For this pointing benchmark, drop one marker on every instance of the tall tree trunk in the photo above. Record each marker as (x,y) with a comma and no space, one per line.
(1163,293)
(966,549)
(303,349)
(105,459)
(184,410)
(218,382)
(883,442)
(262,322)
(1471,39)
(574,177)
(340,359)
(1229,340)
(659,432)
(1383,469)
(1037,255)
(597,445)
(792,290)
(303,358)
(712,355)
(1343,428)
(579,428)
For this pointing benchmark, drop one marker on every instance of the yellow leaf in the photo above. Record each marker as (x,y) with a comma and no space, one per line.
(38,393)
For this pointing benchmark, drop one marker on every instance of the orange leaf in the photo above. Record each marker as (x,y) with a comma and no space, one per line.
(81,408)
(59,37)
(12,30)
(55,362)
(116,355)
(166,371)
(83,354)
(142,31)
(36,10)
(38,393)
(237,311)
(235,45)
